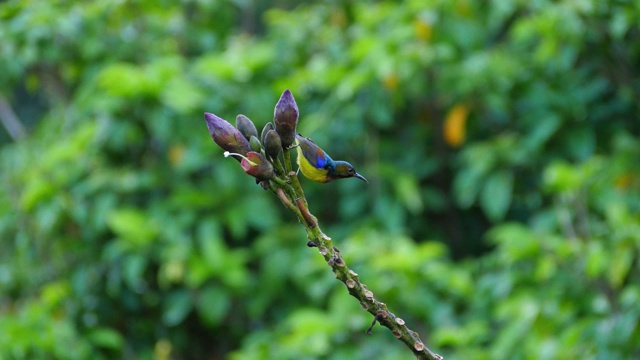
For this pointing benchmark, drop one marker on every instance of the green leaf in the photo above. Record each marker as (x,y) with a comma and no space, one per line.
(466,186)
(106,338)
(182,95)
(596,259)
(213,304)
(560,176)
(545,126)
(123,80)
(408,191)
(618,269)
(212,247)
(133,271)
(495,197)
(581,142)
(177,306)
(55,292)
(36,191)
(132,225)
(515,242)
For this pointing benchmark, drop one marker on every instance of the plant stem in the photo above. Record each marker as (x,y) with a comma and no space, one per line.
(293,198)
(295,182)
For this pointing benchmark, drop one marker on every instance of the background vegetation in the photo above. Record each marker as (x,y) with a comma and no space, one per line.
(500,138)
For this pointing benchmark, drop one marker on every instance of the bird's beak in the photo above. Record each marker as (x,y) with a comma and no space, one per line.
(360,177)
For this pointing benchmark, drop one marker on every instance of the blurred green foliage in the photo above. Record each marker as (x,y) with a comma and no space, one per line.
(500,138)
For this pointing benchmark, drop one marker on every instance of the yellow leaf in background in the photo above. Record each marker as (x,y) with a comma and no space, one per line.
(423,30)
(463,8)
(625,181)
(32,83)
(339,18)
(162,350)
(176,153)
(454,129)
(390,81)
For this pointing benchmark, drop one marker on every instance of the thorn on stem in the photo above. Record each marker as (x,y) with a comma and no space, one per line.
(331,261)
(373,323)
(378,318)
(368,294)
(350,283)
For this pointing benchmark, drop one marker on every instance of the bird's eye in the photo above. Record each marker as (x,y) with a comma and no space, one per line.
(352,171)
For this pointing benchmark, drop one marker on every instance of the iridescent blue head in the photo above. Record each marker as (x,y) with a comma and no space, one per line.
(343,170)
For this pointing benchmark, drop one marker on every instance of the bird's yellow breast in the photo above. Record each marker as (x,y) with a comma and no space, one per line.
(310,171)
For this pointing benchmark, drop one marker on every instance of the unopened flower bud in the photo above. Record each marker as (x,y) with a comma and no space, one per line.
(285,117)
(268,126)
(226,136)
(272,144)
(246,126)
(255,144)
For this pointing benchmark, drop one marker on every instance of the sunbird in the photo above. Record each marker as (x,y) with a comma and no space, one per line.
(318,166)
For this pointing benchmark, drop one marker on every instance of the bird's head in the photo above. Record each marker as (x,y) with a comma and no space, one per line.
(343,170)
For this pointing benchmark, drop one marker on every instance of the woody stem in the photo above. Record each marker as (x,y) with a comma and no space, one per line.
(350,278)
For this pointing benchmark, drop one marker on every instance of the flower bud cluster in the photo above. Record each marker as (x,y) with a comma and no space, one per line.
(257,154)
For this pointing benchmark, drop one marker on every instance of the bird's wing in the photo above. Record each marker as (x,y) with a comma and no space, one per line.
(312,152)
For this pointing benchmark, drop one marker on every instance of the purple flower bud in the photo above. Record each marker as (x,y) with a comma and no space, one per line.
(268,126)
(226,136)
(246,127)
(256,165)
(285,116)
(272,144)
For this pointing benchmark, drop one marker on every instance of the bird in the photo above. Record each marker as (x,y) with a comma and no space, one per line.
(318,166)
